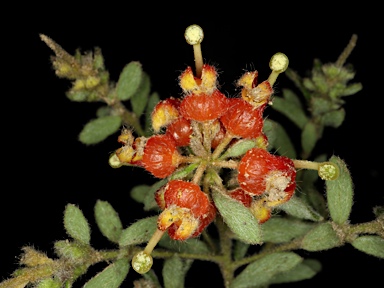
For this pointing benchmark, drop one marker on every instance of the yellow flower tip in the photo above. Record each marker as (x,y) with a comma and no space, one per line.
(164,114)
(260,211)
(187,80)
(194,34)
(169,216)
(125,154)
(208,78)
(142,262)
(259,95)
(248,80)
(279,62)
(187,227)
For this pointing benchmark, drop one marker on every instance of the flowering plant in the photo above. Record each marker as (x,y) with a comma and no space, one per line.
(228,177)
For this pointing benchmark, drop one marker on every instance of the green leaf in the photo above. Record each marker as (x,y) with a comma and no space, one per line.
(103,111)
(192,245)
(145,194)
(76,225)
(240,249)
(309,137)
(184,172)
(322,237)
(139,232)
(262,271)
(352,89)
(129,81)
(110,277)
(73,250)
(280,230)
(298,208)
(139,192)
(302,271)
(108,221)
(152,102)
(174,271)
(152,278)
(238,218)
(99,129)
(279,139)
(340,193)
(140,99)
(370,244)
(333,118)
(239,148)
(78,95)
(290,106)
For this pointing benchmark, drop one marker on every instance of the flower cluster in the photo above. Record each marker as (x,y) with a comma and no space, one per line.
(192,136)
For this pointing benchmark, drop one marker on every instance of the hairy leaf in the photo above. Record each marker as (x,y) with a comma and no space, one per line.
(239,148)
(370,244)
(108,221)
(99,129)
(140,99)
(76,225)
(302,271)
(291,107)
(340,193)
(191,245)
(322,237)
(279,139)
(262,271)
(309,137)
(174,271)
(129,80)
(110,277)
(280,230)
(298,208)
(139,232)
(238,218)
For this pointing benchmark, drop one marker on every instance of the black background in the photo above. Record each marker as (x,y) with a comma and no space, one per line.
(45,167)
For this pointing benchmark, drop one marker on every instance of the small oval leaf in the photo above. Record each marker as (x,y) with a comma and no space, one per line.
(110,277)
(139,232)
(238,218)
(99,129)
(279,139)
(140,99)
(303,271)
(280,230)
(76,225)
(340,193)
(108,221)
(308,137)
(262,271)
(298,208)
(322,237)
(192,245)
(174,271)
(291,107)
(239,148)
(129,80)
(370,244)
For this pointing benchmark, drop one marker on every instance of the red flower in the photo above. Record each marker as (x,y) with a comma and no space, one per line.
(242,119)
(261,172)
(160,156)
